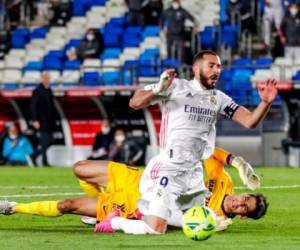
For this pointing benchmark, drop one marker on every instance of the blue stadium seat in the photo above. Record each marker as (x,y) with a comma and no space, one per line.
(56,53)
(118,21)
(241,74)
(130,73)
(78,8)
(133,30)
(112,38)
(263,63)
(39,32)
(296,77)
(148,67)
(150,31)
(131,40)
(33,65)
(229,35)
(73,64)
(208,37)
(52,62)
(110,78)
(91,79)
(169,63)
(110,53)
(19,38)
(99,2)
(10,86)
(243,61)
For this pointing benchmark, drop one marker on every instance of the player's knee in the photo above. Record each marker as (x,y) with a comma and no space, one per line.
(156,225)
(79,168)
(65,206)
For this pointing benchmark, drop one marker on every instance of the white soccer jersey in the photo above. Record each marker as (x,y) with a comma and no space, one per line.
(189,115)
(173,180)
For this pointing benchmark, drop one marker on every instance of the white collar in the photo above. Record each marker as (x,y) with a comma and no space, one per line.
(196,86)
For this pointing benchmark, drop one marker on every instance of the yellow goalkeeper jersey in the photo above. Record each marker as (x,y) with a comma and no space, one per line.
(218,180)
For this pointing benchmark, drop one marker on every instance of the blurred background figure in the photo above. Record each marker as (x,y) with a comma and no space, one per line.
(291,32)
(90,47)
(102,141)
(16,148)
(153,11)
(42,114)
(273,14)
(241,9)
(173,20)
(136,15)
(124,150)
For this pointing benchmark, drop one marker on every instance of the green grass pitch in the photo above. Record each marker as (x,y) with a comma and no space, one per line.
(280,229)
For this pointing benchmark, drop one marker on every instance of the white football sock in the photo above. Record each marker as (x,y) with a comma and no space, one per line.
(131,226)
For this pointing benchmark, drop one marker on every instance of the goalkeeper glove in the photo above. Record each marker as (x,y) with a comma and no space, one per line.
(246,172)
(222,223)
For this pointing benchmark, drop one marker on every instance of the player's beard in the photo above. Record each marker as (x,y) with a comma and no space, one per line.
(204,80)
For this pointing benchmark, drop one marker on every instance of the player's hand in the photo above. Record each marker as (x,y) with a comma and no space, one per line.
(268,91)
(222,223)
(166,79)
(246,172)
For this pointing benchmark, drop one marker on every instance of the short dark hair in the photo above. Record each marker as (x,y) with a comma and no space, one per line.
(261,207)
(202,53)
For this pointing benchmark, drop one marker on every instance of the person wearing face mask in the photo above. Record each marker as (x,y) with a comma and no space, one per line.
(291,32)
(173,20)
(124,150)
(16,147)
(90,47)
(102,142)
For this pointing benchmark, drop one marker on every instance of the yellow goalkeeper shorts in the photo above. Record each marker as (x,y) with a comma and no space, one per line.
(122,191)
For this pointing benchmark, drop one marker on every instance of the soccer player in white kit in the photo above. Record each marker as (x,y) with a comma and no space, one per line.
(173,180)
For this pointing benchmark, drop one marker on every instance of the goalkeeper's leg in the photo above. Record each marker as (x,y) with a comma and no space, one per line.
(92,175)
(81,206)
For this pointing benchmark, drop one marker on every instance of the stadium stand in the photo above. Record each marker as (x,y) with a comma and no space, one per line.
(133,55)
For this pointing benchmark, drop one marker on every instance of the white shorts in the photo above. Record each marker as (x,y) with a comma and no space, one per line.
(165,187)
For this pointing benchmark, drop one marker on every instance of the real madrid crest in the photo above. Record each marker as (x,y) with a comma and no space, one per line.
(213,99)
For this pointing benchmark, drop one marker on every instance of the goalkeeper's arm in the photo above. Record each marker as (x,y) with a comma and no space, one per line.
(246,172)
(143,97)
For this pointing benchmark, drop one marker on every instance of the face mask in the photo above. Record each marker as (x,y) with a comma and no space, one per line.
(293,11)
(13,137)
(105,130)
(119,138)
(175,6)
(90,37)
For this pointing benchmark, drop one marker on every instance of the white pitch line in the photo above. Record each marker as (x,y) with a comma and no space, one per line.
(80,193)
(36,187)
(273,187)
(38,195)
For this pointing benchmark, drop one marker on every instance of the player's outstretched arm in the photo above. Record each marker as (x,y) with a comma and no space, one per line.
(267,93)
(143,97)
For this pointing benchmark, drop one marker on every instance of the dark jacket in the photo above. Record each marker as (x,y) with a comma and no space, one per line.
(103,141)
(42,108)
(175,21)
(90,49)
(128,153)
(291,29)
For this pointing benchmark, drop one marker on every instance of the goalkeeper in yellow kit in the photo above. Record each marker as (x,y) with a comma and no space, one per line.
(121,183)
